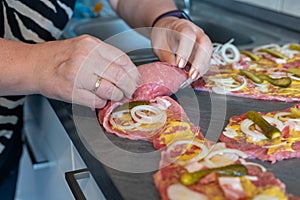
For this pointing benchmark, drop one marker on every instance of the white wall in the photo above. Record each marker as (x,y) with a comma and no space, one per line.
(291,7)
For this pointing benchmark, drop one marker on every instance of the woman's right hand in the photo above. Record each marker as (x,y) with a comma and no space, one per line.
(69,70)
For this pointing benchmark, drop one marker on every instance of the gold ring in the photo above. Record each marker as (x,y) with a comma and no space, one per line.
(97,84)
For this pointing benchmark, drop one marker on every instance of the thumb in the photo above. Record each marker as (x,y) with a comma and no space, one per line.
(166,56)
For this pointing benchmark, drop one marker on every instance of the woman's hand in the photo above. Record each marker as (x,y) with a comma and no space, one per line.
(179,42)
(83,70)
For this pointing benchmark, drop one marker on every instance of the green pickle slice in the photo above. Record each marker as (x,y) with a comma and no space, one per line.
(274,53)
(294,47)
(130,105)
(250,55)
(270,131)
(280,82)
(229,170)
(294,71)
(251,76)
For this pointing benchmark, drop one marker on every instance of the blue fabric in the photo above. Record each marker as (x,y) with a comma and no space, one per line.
(8,185)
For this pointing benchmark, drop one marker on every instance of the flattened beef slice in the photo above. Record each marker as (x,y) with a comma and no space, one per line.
(158,79)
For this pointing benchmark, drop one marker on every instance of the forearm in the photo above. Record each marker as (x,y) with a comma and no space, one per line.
(16,68)
(142,13)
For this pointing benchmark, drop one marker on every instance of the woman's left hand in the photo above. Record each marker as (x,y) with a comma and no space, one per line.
(179,42)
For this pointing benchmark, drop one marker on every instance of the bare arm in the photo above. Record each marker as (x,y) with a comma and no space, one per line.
(16,68)
(141,13)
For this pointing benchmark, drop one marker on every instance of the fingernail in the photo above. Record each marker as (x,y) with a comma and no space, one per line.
(181,63)
(195,75)
(192,70)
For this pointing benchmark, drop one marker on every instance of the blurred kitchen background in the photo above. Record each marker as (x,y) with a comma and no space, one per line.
(291,7)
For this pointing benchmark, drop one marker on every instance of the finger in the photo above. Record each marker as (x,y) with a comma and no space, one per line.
(166,56)
(87,98)
(98,85)
(185,47)
(107,90)
(115,55)
(201,58)
(120,78)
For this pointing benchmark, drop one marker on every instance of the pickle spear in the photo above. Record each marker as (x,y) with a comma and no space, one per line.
(251,76)
(293,70)
(294,47)
(295,112)
(270,131)
(274,53)
(229,170)
(250,55)
(130,105)
(281,82)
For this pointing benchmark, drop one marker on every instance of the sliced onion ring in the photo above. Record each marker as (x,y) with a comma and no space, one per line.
(274,145)
(234,55)
(282,116)
(277,122)
(251,178)
(209,163)
(154,126)
(139,116)
(221,89)
(178,191)
(255,135)
(243,162)
(131,125)
(292,76)
(229,132)
(201,155)
(267,46)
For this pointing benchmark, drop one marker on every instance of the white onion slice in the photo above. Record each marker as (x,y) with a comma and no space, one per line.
(282,116)
(294,120)
(265,197)
(143,122)
(194,166)
(243,162)
(228,80)
(229,132)
(254,135)
(268,46)
(262,87)
(292,76)
(201,155)
(119,113)
(273,70)
(275,122)
(280,60)
(138,114)
(152,127)
(251,178)
(278,74)
(211,164)
(218,146)
(162,103)
(226,53)
(180,192)
(224,88)
(234,55)
(287,51)
(155,126)
(274,145)
(131,124)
